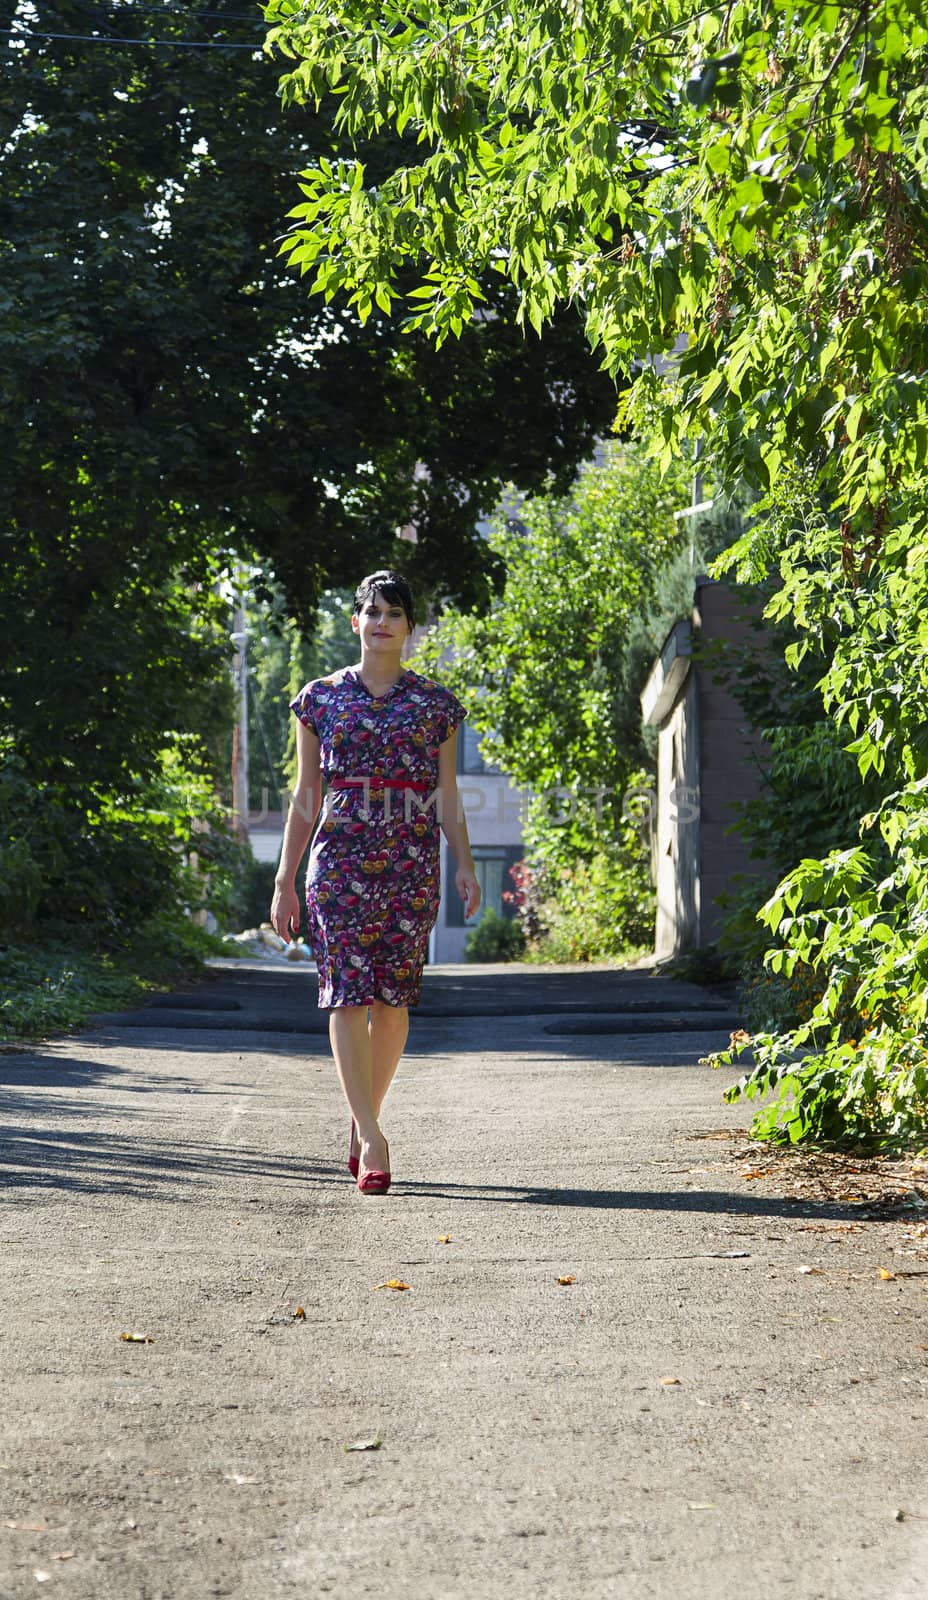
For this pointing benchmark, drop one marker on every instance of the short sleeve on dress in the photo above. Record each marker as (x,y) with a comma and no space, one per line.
(451,714)
(304,708)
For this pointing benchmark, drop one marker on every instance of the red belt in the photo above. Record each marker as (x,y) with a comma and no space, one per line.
(381,783)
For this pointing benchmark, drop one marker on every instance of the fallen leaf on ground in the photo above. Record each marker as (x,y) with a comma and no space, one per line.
(136,1338)
(817,1271)
(754,1174)
(668,1381)
(364,1444)
(886,1275)
(826,1227)
(299,1314)
(393,1283)
(569,1279)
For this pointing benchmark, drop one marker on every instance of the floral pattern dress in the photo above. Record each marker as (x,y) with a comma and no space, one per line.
(372,884)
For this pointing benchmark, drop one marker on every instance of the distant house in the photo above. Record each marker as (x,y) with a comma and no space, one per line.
(266,835)
(709,762)
(493,808)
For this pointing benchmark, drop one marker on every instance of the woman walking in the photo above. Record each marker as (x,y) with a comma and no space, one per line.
(384,739)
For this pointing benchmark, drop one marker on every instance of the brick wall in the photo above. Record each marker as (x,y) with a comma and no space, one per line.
(731,754)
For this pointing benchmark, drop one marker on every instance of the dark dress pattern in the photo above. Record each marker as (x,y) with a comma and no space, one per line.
(373,884)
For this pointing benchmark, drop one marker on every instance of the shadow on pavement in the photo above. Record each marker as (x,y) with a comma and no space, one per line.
(146,1167)
(713,1202)
(140,1166)
(430,1036)
(76,1073)
(254,1003)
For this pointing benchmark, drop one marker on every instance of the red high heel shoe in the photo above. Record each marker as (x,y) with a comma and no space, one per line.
(354,1156)
(374,1181)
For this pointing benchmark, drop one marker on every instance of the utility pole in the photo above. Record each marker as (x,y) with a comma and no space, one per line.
(697,504)
(239,637)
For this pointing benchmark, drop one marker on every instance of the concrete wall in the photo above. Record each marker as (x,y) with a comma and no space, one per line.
(676,836)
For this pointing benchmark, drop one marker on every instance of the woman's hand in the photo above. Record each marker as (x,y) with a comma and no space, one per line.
(285,911)
(465,881)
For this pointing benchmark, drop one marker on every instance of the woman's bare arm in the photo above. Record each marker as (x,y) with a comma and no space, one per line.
(305,802)
(454,825)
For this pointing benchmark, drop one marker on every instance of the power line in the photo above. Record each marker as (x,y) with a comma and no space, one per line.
(181,11)
(106,38)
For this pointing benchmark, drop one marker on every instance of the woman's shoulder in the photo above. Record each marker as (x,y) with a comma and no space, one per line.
(323,686)
(420,684)
(317,700)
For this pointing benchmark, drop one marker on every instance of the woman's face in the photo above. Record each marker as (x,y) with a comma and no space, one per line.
(381,623)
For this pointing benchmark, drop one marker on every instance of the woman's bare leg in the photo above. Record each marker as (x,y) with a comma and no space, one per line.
(351,1047)
(389,1030)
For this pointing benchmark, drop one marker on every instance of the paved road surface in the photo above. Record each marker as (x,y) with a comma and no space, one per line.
(178,1173)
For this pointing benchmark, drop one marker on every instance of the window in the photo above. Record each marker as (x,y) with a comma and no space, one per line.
(470,758)
(492,863)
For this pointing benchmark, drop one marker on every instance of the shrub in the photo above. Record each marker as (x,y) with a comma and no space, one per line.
(257,893)
(495,938)
(598,909)
(58,984)
(20,865)
(92,865)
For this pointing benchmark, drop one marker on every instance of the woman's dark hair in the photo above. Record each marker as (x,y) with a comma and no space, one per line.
(392,587)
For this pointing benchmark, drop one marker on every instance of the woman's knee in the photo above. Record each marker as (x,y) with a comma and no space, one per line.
(383,1012)
(348,1016)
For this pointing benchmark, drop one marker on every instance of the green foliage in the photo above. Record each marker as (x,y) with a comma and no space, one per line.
(20,861)
(773,215)
(256,893)
(58,985)
(167,392)
(333,644)
(170,403)
(553,689)
(92,865)
(598,909)
(811,796)
(544,667)
(495,938)
(857,917)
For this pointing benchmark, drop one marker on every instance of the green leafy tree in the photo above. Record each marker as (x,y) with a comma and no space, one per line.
(545,665)
(165,359)
(742,193)
(553,688)
(171,401)
(856,1068)
(753,180)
